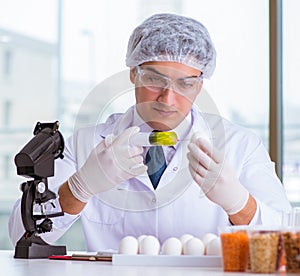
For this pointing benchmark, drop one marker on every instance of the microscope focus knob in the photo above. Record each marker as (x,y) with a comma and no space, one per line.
(41,187)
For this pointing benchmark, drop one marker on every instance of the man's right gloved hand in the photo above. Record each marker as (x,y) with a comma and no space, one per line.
(107,166)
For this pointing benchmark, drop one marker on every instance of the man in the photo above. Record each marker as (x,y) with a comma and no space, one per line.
(217,174)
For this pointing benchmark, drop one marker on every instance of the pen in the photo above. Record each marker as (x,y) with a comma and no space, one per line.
(81,257)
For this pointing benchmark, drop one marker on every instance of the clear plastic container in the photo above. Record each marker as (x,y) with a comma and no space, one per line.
(265,246)
(235,248)
(291,244)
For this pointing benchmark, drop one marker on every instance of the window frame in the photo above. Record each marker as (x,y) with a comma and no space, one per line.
(276,91)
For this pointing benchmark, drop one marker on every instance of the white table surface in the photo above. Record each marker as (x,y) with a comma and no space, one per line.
(44,267)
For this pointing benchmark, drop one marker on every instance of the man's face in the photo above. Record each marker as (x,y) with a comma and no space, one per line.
(165,92)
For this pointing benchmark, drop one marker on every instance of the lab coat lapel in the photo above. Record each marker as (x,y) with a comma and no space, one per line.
(199,125)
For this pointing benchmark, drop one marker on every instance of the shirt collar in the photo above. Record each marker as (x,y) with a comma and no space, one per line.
(194,122)
(181,130)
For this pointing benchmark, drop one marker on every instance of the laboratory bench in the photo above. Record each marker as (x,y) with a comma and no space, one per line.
(44,267)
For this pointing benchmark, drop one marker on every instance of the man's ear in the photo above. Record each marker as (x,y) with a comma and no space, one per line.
(132,74)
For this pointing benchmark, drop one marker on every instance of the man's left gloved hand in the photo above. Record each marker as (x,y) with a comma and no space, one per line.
(215,176)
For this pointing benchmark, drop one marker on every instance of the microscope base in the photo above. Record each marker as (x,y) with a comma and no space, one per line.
(25,250)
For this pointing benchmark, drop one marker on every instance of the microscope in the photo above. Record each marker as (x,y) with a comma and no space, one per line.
(36,161)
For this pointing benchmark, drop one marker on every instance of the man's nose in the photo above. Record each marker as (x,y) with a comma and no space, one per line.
(167,95)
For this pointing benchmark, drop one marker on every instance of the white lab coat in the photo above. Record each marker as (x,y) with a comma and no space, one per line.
(178,205)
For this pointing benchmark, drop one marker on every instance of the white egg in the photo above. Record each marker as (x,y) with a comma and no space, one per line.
(150,246)
(171,246)
(128,245)
(139,239)
(185,237)
(193,246)
(214,247)
(206,238)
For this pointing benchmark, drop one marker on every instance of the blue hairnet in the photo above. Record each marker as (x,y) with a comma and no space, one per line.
(175,38)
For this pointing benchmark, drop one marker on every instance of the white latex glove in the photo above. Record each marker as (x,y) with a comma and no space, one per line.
(215,176)
(109,163)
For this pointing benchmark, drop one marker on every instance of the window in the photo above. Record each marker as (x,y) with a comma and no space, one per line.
(6,166)
(291,100)
(7,63)
(6,113)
